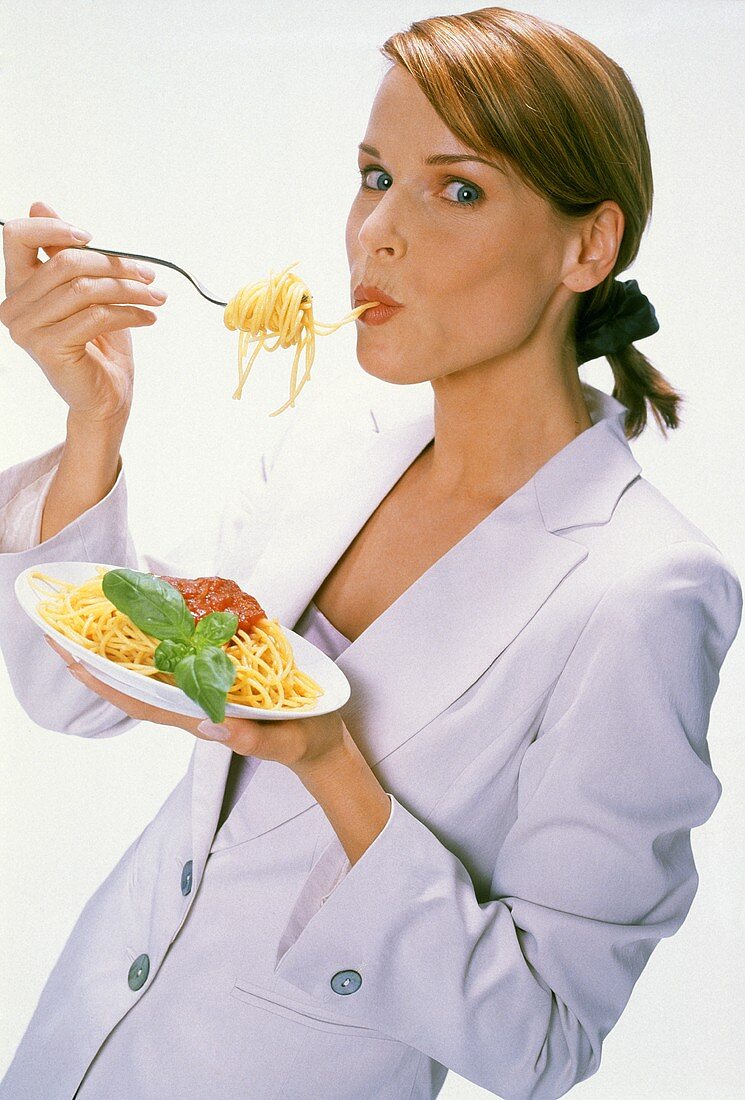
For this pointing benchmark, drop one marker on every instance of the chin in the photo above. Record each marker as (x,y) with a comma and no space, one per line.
(392,372)
(392,367)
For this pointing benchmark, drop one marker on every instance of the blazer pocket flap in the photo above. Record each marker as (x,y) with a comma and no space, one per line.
(269,1000)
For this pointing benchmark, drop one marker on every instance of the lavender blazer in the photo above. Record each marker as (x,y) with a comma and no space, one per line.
(536,705)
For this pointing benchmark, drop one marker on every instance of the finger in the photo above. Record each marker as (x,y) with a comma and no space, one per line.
(145,712)
(242,735)
(44,210)
(22,239)
(65,654)
(73,264)
(89,323)
(135,708)
(83,292)
(73,271)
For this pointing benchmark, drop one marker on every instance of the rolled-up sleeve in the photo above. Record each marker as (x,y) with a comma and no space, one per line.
(102,534)
(23,493)
(518,993)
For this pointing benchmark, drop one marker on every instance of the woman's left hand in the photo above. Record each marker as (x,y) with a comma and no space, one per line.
(303,744)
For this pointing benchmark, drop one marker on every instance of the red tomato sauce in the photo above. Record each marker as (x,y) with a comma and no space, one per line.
(206,594)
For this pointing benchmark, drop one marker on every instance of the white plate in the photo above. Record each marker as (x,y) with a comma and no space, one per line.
(308,658)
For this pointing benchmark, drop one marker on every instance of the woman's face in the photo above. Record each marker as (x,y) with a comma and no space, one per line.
(472,254)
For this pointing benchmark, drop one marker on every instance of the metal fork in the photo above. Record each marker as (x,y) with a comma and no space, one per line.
(165,263)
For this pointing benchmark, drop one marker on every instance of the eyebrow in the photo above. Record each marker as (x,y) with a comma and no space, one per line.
(441,158)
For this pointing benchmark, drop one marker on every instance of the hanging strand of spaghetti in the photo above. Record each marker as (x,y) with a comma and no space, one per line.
(280,306)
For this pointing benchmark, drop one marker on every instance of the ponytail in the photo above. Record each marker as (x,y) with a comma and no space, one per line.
(636,381)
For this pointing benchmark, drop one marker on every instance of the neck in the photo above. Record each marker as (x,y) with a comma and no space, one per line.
(495,428)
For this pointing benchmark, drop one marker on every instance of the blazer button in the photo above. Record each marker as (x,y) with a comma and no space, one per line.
(186,879)
(346,981)
(138,972)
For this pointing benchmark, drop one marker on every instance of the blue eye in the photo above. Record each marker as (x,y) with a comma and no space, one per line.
(464,191)
(365,172)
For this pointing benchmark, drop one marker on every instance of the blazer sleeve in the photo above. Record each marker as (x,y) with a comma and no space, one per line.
(518,993)
(49,696)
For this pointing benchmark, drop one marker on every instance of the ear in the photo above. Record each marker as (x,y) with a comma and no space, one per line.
(593,248)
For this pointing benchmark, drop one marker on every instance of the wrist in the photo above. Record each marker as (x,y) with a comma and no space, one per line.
(92,452)
(109,429)
(347,790)
(336,757)
(88,469)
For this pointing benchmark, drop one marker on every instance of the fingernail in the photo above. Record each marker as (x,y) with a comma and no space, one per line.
(213,730)
(81,235)
(146,272)
(73,671)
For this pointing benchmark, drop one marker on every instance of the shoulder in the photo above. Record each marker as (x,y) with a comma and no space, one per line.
(688,574)
(658,566)
(655,598)
(648,534)
(656,639)
(649,510)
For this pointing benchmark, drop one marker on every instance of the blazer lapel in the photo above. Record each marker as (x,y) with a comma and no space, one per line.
(482,592)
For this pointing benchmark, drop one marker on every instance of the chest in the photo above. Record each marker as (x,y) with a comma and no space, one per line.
(409,531)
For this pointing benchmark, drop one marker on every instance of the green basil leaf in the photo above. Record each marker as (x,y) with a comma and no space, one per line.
(169,653)
(215,629)
(152,604)
(206,677)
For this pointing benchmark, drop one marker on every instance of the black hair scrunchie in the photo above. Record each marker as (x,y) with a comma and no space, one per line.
(628,316)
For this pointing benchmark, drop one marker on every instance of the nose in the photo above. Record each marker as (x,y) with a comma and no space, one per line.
(380,233)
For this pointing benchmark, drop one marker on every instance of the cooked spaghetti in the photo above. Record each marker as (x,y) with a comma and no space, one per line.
(280,306)
(266,673)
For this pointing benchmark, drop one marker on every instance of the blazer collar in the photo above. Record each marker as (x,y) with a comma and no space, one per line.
(402,670)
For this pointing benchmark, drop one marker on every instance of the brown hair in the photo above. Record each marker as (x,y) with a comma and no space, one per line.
(569,121)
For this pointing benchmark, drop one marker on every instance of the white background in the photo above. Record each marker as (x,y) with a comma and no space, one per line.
(222,136)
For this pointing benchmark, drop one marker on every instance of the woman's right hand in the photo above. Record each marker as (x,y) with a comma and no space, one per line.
(62,312)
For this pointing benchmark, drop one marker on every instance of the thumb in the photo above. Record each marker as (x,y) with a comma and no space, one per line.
(44,210)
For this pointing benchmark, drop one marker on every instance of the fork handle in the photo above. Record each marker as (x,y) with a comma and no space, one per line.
(156,260)
(163,263)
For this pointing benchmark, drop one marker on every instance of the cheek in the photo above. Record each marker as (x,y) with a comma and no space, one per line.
(490,288)
(351,232)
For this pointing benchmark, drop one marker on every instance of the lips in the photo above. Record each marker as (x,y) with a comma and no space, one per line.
(373,294)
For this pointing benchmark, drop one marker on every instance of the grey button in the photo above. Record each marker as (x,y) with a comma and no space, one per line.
(346,981)
(138,972)
(186,879)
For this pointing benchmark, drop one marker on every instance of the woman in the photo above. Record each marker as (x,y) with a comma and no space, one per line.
(469,865)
